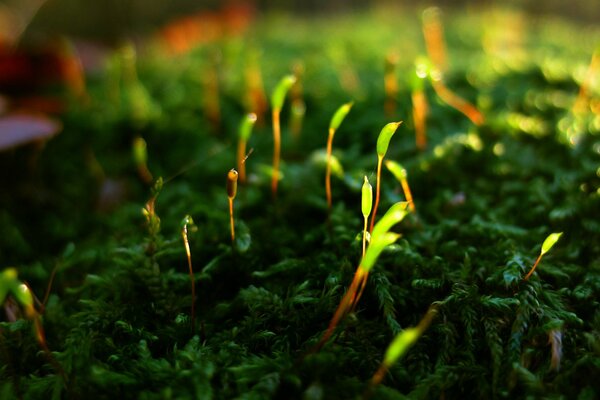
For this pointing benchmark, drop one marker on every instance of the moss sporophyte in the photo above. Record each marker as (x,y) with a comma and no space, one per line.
(277,100)
(549,242)
(185,223)
(383,142)
(334,124)
(232,178)
(381,238)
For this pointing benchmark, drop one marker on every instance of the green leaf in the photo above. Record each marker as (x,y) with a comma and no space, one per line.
(396,169)
(8,282)
(376,247)
(367,198)
(140,152)
(383,141)
(246,126)
(278,96)
(401,343)
(395,214)
(550,241)
(339,116)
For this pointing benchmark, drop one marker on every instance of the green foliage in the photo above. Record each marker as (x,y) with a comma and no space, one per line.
(280,91)
(339,115)
(117,313)
(383,140)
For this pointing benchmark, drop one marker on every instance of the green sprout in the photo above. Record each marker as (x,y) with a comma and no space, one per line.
(277,100)
(366,206)
(11,285)
(232,177)
(336,121)
(400,345)
(383,142)
(188,221)
(546,246)
(381,238)
(400,173)
(245,131)
(140,157)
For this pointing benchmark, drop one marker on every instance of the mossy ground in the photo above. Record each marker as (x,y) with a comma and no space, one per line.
(118,320)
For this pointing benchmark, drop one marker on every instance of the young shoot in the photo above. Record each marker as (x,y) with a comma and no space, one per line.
(366,206)
(140,157)
(188,221)
(383,142)
(400,173)
(400,345)
(336,121)
(420,107)
(298,107)
(381,237)
(245,131)
(232,178)
(11,285)
(546,246)
(277,100)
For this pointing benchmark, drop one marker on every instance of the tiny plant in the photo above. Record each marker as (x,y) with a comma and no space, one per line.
(381,237)
(383,142)
(336,121)
(244,135)
(152,218)
(188,221)
(277,100)
(419,103)
(11,285)
(140,157)
(400,345)
(366,206)
(298,106)
(546,246)
(400,173)
(232,178)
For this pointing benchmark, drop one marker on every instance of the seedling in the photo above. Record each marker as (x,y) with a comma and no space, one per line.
(390,84)
(383,142)
(381,238)
(11,285)
(336,121)
(419,103)
(298,107)
(400,173)
(546,246)
(232,178)
(244,135)
(277,100)
(366,206)
(400,345)
(140,157)
(188,221)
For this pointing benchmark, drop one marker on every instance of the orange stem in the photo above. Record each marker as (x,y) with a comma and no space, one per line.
(241,155)
(328,167)
(188,252)
(419,115)
(379,161)
(407,194)
(231,221)
(276,151)
(458,103)
(533,268)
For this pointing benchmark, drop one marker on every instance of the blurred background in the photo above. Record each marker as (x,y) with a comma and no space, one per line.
(109,21)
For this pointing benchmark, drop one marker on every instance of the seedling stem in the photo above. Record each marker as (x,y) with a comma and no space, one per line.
(184,233)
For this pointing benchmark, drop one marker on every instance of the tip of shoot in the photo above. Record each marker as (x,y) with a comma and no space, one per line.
(339,115)
(367,198)
(281,90)
(232,177)
(383,141)
(550,242)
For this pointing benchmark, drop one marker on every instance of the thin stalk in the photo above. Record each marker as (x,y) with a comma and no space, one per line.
(232,177)
(537,261)
(377,192)
(186,243)
(328,167)
(276,150)
(231,220)
(457,102)
(419,116)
